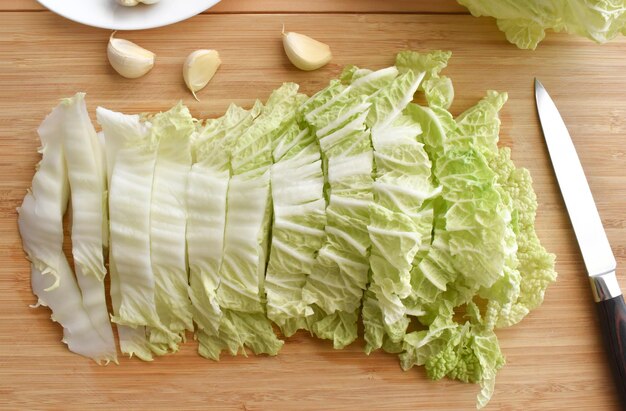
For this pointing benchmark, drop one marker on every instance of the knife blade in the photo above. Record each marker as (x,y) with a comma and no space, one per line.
(592,240)
(581,207)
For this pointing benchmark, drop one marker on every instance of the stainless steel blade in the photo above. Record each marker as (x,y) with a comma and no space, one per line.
(578,199)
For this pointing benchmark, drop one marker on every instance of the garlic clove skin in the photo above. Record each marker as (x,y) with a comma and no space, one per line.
(199,68)
(129,59)
(131,3)
(304,52)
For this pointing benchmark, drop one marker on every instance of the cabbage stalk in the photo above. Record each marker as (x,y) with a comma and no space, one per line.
(40,223)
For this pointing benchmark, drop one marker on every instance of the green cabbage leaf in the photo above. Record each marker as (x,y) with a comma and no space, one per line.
(525,22)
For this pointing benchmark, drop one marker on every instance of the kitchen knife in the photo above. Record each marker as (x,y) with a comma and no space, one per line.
(594,245)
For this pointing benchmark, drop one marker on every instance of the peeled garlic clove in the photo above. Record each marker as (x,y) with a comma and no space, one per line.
(128,59)
(131,3)
(199,69)
(304,52)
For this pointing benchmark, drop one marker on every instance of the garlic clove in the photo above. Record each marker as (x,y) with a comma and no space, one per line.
(199,69)
(129,59)
(304,52)
(130,3)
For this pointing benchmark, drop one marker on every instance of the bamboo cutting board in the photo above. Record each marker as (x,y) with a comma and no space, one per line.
(555,360)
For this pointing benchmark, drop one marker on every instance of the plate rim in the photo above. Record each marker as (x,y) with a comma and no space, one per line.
(146,26)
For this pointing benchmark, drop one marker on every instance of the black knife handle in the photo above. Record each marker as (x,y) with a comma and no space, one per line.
(612,313)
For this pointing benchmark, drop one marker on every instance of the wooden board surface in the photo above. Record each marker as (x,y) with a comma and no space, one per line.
(555,360)
(300,6)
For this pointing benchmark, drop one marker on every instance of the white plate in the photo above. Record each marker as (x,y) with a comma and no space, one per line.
(107,14)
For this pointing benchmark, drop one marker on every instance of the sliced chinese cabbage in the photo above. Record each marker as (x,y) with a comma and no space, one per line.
(399,221)
(335,286)
(134,147)
(297,185)
(478,215)
(87,179)
(46,201)
(132,340)
(469,250)
(478,126)
(40,222)
(368,200)
(248,220)
(525,23)
(355,84)
(65,302)
(401,215)
(523,286)
(438,91)
(168,219)
(475,224)
(467,352)
(431,63)
(206,201)
(477,250)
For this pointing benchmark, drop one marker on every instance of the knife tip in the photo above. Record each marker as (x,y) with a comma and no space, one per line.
(538,84)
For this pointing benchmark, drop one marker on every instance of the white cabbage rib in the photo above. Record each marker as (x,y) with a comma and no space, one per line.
(87,179)
(133,341)
(206,201)
(87,185)
(41,215)
(248,221)
(248,199)
(65,301)
(131,157)
(297,185)
(129,207)
(168,219)
(41,226)
(335,286)
(400,224)
(402,184)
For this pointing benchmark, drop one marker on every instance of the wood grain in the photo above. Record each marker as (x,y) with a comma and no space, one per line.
(338,6)
(555,356)
(301,6)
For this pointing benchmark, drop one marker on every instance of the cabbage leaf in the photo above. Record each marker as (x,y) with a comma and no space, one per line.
(87,180)
(248,220)
(168,221)
(305,212)
(525,23)
(337,115)
(40,221)
(206,200)
(133,153)
(297,185)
